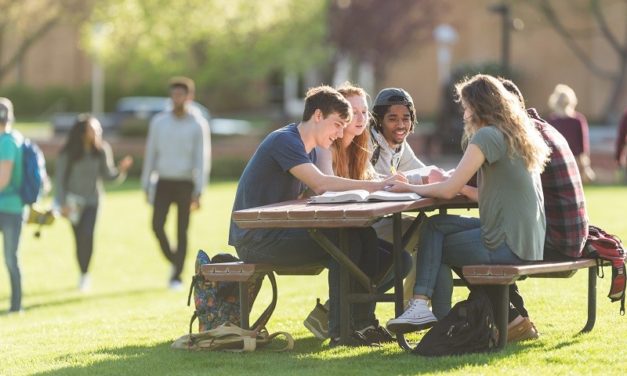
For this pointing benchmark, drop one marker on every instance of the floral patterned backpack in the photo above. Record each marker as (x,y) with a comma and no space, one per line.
(218,303)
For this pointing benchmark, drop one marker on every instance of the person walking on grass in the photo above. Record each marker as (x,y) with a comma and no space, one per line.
(83,163)
(573,125)
(176,170)
(11,204)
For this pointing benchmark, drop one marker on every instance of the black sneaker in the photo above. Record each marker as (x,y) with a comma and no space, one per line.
(356,339)
(377,334)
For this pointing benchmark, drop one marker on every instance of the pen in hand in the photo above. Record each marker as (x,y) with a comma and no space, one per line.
(393,170)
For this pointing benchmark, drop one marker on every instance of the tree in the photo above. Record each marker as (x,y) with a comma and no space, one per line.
(617,75)
(27,21)
(375,32)
(226,46)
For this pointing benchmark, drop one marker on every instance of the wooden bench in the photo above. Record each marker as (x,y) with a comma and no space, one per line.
(501,276)
(244,274)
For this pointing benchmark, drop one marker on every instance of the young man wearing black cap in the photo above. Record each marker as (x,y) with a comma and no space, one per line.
(280,170)
(394,117)
(11,204)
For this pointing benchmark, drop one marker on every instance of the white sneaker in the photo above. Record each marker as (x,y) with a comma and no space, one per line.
(84,283)
(176,285)
(418,316)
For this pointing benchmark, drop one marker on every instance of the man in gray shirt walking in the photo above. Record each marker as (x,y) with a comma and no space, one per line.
(177,158)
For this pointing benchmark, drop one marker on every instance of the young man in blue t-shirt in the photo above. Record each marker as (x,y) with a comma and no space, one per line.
(281,169)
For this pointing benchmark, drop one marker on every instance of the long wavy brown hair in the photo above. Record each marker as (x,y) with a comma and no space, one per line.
(353,161)
(491,104)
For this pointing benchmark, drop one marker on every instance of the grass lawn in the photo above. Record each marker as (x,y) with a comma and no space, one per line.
(126,324)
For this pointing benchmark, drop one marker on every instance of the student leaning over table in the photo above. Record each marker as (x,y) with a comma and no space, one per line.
(280,170)
(349,157)
(508,154)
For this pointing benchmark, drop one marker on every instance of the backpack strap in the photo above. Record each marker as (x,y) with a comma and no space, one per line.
(267,313)
(195,278)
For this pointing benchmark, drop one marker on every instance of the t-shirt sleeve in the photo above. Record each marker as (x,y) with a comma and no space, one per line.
(8,149)
(491,142)
(288,151)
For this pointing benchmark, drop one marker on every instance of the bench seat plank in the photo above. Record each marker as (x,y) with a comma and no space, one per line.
(508,274)
(243,272)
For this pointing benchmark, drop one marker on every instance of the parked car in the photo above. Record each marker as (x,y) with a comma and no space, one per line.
(133,114)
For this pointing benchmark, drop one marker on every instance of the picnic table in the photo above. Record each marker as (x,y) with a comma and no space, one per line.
(302,214)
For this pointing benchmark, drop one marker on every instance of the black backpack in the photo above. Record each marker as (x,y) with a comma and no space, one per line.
(468,328)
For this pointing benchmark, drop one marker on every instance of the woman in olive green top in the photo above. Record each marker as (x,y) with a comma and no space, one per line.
(508,154)
(83,163)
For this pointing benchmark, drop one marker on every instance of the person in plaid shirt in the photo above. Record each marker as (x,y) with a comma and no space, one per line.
(565,211)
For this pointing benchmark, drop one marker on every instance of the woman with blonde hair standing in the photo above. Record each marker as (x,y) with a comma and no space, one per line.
(573,126)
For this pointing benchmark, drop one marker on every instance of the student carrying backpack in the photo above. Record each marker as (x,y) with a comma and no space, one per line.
(34,173)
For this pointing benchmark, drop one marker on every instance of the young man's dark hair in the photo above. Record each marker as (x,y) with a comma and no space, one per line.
(184,83)
(512,88)
(328,101)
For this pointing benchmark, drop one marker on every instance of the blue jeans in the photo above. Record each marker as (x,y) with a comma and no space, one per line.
(11,227)
(451,240)
(296,247)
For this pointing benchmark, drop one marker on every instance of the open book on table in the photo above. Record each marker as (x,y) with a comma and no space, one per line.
(361,195)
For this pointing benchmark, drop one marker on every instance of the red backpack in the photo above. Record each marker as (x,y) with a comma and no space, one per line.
(606,247)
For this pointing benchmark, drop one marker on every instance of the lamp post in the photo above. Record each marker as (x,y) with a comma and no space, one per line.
(97,70)
(445,36)
(504,11)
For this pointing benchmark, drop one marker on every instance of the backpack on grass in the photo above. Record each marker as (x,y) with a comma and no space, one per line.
(218,313)
(468,328)
(607,247)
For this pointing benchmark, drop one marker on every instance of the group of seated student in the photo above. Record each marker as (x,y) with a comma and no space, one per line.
(513,152)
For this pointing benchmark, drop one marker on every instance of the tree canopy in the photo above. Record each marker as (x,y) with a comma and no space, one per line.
(221,44)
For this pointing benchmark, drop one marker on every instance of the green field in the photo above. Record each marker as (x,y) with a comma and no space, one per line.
(126,324)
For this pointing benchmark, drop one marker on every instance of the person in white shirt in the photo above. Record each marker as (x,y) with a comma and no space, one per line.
(177,158)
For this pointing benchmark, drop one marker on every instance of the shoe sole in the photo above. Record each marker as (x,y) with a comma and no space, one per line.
(315,330)
(402,328)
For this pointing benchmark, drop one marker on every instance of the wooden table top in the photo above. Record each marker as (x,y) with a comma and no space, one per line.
(302,214)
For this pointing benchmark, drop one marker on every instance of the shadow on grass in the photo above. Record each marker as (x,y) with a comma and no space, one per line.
(309,357)
(77,297)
